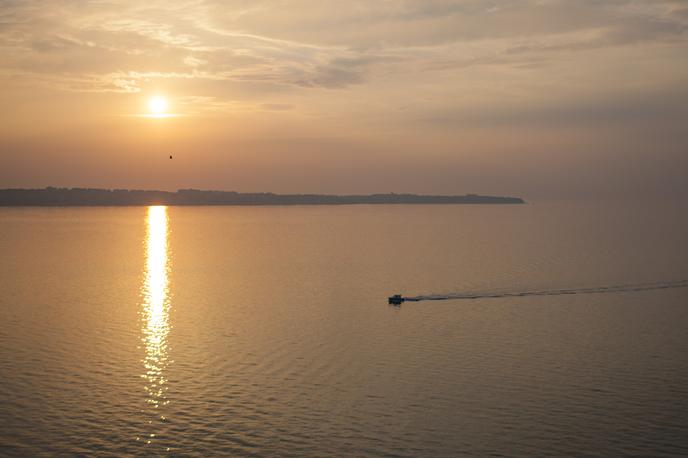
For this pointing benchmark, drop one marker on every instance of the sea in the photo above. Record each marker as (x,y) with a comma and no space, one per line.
(266,331)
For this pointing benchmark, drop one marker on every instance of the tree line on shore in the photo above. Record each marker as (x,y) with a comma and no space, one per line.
(52,196)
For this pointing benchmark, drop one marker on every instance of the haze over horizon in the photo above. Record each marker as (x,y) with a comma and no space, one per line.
(532,98)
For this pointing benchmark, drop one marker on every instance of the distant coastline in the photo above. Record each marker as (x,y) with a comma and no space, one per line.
(74,197)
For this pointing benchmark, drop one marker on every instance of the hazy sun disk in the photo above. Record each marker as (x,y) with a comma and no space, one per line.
(157,105)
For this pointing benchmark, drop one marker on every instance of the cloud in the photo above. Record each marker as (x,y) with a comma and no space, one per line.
(276,106)
(304,44)
(667,106)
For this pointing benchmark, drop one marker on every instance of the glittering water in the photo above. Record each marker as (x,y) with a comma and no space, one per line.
(265,331)
(155,322)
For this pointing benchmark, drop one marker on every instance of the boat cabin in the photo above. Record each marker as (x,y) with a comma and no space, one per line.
(396,299)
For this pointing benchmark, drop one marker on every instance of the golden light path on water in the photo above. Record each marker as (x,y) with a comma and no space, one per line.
(155,312)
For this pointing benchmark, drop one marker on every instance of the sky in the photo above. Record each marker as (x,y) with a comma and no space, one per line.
(542,99)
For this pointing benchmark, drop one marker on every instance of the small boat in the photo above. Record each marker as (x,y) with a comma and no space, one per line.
(395,300)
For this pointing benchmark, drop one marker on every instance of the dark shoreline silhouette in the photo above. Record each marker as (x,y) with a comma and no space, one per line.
(112,197)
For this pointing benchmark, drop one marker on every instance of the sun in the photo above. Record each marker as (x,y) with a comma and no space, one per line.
(157,105)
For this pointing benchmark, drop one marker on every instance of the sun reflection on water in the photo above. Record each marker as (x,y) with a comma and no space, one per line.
(155,312)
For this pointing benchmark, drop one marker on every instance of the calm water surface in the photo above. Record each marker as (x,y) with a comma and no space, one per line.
(265,331)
